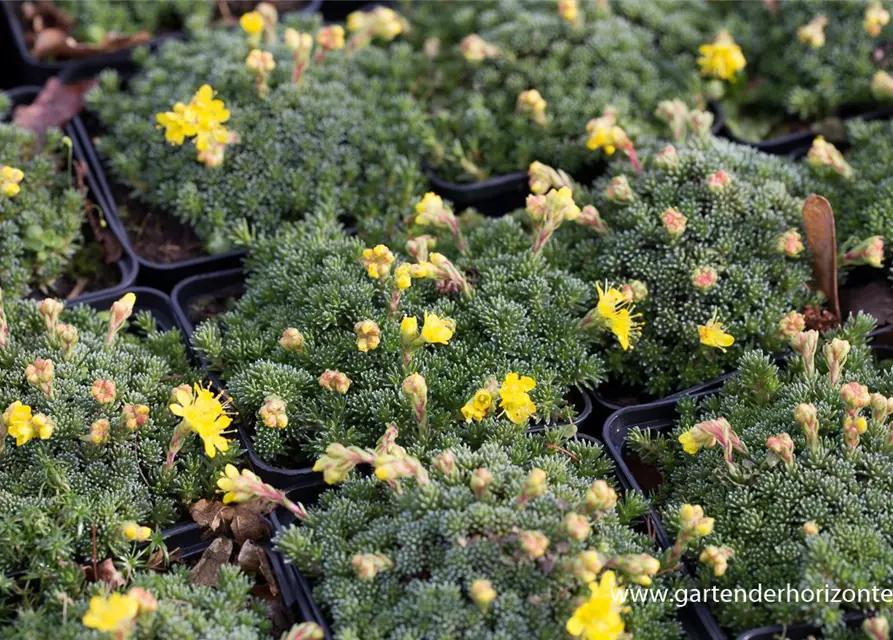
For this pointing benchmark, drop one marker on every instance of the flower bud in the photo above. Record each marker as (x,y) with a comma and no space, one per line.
(67,337)
(667,158)
(482,593)
(619,191)
(693,522)
(475,49)
(782,446)
(532,104)
(875,19)
(40,375)
(304,631)
(334,381)
(806,343)
(639,569)
(534,485)
(119,313)
(868,252)
(674,222)
(480,480)
(134,416)
(44,425)
(824,155)
(272,413)
(717,558)
(587,565)
(536,207)
(445,463)
(331,38)
(577,526)
(368,334)
(812,34)
(533,543)
(49,309)
(369,565)
(134,532)
(791,324)
(718,181)
(590,217)
(806,415)
(855,395)
(882,85)
(879,407)
(836,353)
(146,602)
(876,628)
(600,497)
(810,528)
(292,340)
(99,432)
(789,243)
(704,278)
(700,122)
(416,391)
(103,391)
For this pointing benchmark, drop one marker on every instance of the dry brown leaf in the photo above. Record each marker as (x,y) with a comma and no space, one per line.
(818,222)
(209,514)
(253,559)
(105,572)
(54,106)
(248,524)
(215,556)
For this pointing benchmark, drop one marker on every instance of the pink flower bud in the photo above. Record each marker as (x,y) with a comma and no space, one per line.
(704,278)
(334,381)
(480,480)
(103,391)
(718,181)
(667,158)
(674,222)
(292,340)
(791,323)
(790,244)
(619,191)
(533,543)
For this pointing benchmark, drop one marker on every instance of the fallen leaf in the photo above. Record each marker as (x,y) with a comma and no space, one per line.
(249,524)
(818,222)
(207,514)
(54,106)
(105,572)
(253,559)
(215,556)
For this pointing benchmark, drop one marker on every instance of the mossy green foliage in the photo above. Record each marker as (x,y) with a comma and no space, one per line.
(522,317)
(442,537)
(787,80)
(734,230)
(184,610)
(343,138)
(55,492)
(41,224)
(94,19)
(761,504)
(629,56)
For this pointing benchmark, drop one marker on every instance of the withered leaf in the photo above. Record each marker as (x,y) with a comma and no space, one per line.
(54,106)
(215,556)
(818,222)
(248,523)
(253,559)
(105,572)
(157,562)
(209,514)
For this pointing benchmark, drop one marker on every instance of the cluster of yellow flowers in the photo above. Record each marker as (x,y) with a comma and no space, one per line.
(381,22)
(18,422)
(202,118)
(722,58)
(514,399)
(10,177)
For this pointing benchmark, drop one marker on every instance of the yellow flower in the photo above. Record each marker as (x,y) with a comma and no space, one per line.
(23,426)
(403,276)
(479,406)
(713,334)
(10,177)
(568,10)
(238,486)
(133,531)
(203,118)
(204,414)
(409,328)
(514,399)
(813,33)
(695,439)
(599,617)
(260,61)
(722,58)
(616,310)
(436,330)
(378,261)
(368,335)
(875,19)
(114,614)
(252,22)
(532,103)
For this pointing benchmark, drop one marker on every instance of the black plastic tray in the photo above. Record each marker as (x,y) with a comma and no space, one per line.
(30,70)
(797,144)
(606,402)
(659,417)
(501,194)
(126,264)
(281,519)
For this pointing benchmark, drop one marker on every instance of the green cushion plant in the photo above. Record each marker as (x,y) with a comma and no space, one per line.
(41,209)
(794,465)
(92,456)
(333,339)
(270,147)
(523,538)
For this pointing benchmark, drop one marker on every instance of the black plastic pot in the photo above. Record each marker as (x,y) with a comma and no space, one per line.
(501,194)
(151,300)
(660,417)
(281,519)
(797,144)
(126,264)
(30,70)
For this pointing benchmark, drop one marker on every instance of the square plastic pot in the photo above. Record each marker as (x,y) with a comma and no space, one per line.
(127,263)
(660,417)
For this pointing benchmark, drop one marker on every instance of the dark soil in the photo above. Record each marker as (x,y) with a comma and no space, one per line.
(214,304)
(89,272)
(646,475)
(154,235)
